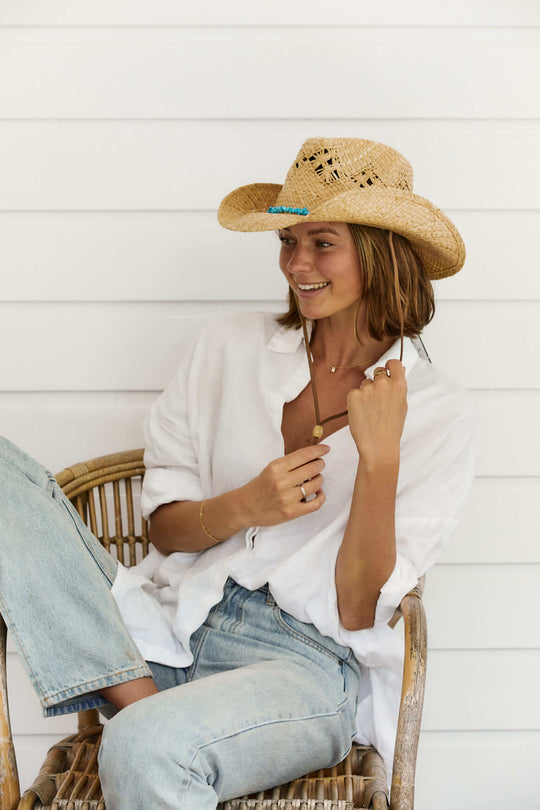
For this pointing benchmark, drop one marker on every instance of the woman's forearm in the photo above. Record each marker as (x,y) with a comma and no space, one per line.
(273,497)
(177,526)
(368,551)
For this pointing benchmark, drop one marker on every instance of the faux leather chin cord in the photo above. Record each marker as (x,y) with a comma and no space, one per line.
(397,292)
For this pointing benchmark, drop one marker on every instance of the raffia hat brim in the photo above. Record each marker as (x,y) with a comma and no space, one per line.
(433,236)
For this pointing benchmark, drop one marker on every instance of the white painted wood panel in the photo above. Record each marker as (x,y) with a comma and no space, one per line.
(483,606)
(470,342)
(191,165)
(243,12)
(411,79)
(499,524)
(467,690)
(61,428)
(470,690)
(136,346)
(31,750)
(187,256)
(102,347)
(491,770)
(506,435)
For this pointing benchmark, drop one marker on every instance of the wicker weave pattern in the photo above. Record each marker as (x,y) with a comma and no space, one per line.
(287,804)
(68,780)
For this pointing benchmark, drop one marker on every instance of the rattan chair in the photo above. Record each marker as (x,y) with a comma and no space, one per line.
(105,493)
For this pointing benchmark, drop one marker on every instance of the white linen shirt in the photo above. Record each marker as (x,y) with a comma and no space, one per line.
(214,428)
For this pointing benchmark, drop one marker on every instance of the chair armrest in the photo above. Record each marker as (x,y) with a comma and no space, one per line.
(412,700)
(9,779)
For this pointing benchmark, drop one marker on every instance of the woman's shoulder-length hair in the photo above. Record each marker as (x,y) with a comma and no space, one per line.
(379,295)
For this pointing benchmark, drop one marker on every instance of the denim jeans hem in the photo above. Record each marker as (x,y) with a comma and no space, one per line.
(75,705)
(81,697)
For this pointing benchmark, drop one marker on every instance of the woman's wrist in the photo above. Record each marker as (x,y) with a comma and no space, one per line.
(225,515)
(379,458)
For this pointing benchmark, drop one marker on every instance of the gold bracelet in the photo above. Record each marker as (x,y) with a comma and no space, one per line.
(203,526)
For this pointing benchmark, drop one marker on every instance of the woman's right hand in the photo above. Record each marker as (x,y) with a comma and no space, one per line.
(275,496)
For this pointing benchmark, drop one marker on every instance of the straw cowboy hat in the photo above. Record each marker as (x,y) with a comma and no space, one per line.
(350,180)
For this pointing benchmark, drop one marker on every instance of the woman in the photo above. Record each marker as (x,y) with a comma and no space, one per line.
(262,611)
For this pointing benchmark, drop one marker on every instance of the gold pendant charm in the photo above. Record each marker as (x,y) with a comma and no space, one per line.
(317,431)
(333,369)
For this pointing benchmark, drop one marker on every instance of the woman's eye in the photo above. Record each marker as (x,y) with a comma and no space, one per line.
(324,244)
(285,240)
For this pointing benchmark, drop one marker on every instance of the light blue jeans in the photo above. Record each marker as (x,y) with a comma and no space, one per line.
(266,699)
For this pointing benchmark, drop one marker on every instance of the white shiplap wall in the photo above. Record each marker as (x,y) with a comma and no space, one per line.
(124,122)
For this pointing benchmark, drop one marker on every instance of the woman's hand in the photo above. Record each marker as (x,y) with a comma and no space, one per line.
(377,412)
(275,496)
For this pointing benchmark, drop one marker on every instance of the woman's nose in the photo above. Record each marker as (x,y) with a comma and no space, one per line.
(299,260)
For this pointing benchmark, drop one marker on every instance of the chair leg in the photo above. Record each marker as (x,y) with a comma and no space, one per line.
(9,778)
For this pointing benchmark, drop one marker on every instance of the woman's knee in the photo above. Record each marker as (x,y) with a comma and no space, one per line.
(135,736)
(147,763)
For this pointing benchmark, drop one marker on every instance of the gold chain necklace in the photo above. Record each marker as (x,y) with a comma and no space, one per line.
(333,368)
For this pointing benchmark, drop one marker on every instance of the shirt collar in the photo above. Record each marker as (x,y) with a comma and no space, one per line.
(410,356)
(287,341)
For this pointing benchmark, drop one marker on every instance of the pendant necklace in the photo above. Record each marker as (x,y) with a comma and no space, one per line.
(333,368)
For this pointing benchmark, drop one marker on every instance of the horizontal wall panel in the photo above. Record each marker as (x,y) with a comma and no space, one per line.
(104,423)
(462,689)
(467,341)
(501,257)
(128,256)
(499,524)
(186,255)
(471,690)
(102,347)
(507,441)
(62,429)
(136,346)
(240,12)
(147,80)
(483,606)
(480,770)
(191,165)
(31,752)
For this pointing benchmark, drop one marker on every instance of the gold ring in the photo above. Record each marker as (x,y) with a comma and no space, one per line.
(380,371)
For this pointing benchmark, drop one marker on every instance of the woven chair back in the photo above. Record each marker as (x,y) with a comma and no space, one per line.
(106,493)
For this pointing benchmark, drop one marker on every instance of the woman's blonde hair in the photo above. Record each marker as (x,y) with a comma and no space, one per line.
(382,309)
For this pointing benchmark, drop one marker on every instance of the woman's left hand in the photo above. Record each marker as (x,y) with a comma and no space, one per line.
(377,412)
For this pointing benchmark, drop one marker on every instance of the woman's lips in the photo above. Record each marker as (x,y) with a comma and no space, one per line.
(311,293)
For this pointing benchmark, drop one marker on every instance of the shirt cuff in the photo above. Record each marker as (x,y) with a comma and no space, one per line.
(399,583)
(167,485)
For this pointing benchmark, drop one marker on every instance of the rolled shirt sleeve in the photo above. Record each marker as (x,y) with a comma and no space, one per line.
(171,458)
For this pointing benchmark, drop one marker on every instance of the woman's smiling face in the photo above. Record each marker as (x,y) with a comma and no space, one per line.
(321,263)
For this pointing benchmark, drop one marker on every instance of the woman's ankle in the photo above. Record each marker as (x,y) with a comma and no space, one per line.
(123,694)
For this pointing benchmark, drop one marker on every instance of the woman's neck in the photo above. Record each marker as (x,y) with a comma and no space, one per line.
(337,343)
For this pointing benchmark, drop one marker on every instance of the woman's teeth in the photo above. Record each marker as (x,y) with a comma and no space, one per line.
(317,286)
